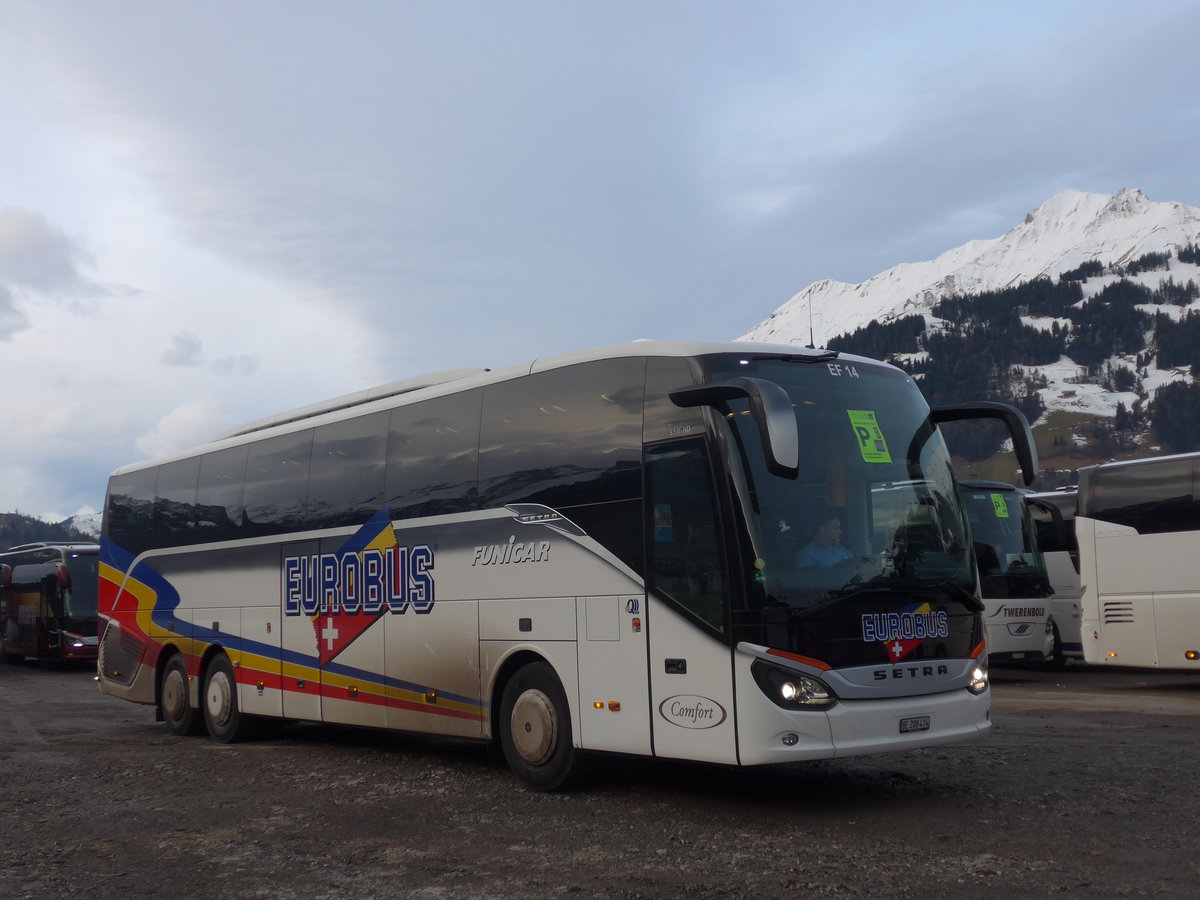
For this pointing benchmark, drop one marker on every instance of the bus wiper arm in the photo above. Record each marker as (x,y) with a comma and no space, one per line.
(969,599)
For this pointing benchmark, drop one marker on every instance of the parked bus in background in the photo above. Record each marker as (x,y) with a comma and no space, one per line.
(1138,529)
(1012,573)
(48,602)
(1054,518)
(599,551)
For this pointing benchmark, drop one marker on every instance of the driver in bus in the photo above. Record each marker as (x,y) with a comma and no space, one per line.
(825,550)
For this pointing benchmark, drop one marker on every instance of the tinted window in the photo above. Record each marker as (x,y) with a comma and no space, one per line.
(665,419)
(128,518)
(431,456)
(565,438)
(219,495)
(175,503)
(277,484)
(345,485)
(683,547)
(1153,498)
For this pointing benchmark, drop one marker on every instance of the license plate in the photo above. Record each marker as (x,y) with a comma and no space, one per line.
(916,723)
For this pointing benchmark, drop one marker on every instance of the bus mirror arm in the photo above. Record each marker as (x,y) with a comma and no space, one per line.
(1018,427)
(771,408)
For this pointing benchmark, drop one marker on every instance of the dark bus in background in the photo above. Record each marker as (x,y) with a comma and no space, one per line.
(48,602)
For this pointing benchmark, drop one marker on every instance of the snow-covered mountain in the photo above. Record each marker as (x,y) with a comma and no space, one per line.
(86,522)
(1068,230)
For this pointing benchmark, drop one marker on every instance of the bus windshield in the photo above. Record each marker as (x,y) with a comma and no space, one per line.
(79,602)
(1010,562)
(872,523)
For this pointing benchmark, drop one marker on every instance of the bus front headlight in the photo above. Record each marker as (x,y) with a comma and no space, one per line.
(790,689)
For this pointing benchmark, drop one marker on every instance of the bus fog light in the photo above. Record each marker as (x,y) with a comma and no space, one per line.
(791,740)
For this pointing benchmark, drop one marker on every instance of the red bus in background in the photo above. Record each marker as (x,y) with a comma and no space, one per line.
(48,602)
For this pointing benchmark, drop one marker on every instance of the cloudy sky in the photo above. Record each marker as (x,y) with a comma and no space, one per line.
(211,212)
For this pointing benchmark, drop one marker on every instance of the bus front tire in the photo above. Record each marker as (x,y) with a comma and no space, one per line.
(224,721)
(181,717)
(535,730)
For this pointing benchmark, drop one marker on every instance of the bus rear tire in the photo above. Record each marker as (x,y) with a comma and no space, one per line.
(535,730)
(181,717)
(224,721)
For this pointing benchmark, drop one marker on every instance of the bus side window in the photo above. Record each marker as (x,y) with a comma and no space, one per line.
(276,498)
(683,551)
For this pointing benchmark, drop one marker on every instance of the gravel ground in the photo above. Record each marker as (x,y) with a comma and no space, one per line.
(1087,785)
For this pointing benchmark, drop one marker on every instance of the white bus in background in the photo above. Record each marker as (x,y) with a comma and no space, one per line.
(1054,518)
(1138,530)
(593,552)
(1012,573)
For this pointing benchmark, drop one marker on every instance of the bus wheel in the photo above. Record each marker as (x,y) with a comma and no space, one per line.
(224,721)
(181,718)
(535,730)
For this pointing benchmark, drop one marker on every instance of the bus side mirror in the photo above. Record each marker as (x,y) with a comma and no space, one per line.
(64,577)
(771,408)
(1060,527)
(5,576)
(1018,427)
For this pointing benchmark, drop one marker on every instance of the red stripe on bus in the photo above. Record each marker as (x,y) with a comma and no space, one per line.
(807,660)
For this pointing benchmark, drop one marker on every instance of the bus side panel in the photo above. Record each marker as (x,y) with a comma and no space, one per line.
(300,671)
(432,669)
(1089,602)
(561,655)
(1135,587)
(546,626)
(352,688)
(1177,617)
(614,692)
(691,690)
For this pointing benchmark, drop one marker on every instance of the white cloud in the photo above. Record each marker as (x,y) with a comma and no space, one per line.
(185,426)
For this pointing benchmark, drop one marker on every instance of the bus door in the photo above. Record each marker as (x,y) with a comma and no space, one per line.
(28,611)
(691,666)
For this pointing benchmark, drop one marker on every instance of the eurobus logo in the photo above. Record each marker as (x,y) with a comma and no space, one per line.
(346,591)
(904,631)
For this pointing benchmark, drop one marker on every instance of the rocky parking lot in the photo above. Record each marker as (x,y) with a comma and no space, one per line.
(1087,785)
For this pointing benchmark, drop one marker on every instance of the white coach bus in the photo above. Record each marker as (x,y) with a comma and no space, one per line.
(1054,519)
(592,552)
(1012,573)
(1138,530)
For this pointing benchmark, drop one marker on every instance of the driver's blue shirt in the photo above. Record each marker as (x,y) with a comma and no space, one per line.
(816,554)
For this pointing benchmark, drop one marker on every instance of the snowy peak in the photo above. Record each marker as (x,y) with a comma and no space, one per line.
(1070,228)
(86,522)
